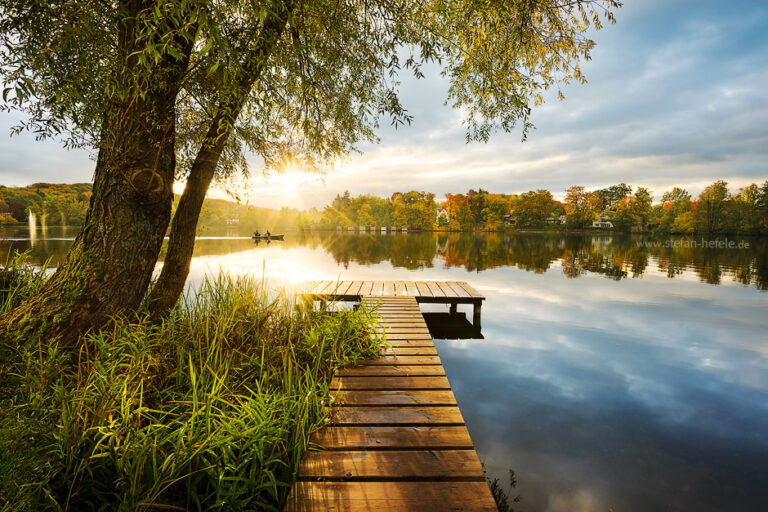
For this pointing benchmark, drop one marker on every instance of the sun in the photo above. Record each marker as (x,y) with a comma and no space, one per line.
(290,179)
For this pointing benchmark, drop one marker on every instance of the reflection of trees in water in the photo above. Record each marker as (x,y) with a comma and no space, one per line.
(745,266)
(477,252)
(415,251)
(40,251)
(616,257)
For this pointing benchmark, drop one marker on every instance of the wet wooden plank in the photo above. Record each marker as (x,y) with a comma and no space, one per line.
(447,290)
(392,301)
(397,382)
(380,288)
(409,351)
(403,331)
(402,300)
(396,304)
(390,497)
(401,319)
(410,343)
(404,315)
(394,415)
(396,397)
(342,288)
(392,371)
(389,360)
(458,290)
(470,290)
(406,325)
(400,316)
(435,289)
(444,465)
(407,336)
(393,437)
(388,309)
(423,289)
(420,327)
(355,288)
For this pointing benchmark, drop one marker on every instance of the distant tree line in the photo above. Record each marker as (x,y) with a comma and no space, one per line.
(619,207)
(414,210)
(66,204)
(55,204)
(715,210)
(218,213)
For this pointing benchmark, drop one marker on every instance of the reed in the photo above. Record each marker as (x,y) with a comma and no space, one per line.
(210,410)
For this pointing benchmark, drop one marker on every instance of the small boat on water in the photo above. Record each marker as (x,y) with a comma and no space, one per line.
(265,237)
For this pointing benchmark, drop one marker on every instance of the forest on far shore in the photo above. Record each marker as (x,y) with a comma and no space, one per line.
(717,209)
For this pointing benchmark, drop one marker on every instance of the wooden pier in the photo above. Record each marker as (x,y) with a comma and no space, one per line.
(429,292)
(396,440)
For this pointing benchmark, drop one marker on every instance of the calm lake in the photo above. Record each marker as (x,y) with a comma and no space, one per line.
(612,374)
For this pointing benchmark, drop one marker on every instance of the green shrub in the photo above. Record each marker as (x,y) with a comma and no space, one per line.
(210,410)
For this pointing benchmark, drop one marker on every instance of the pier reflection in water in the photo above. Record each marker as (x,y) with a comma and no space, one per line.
(452,326)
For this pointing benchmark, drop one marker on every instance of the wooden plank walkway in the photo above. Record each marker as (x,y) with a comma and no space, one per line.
(396,440)
(433,292)
(459,292)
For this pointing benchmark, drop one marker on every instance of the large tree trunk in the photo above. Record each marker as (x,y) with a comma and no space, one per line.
(181,244)
(110,264)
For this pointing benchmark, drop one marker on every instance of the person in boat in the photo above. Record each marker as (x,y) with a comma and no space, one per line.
(267,234)
(256,234)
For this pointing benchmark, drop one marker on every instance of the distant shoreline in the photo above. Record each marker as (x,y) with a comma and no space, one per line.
(544,231)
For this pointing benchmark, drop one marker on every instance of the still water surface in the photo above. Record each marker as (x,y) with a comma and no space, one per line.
(611,376)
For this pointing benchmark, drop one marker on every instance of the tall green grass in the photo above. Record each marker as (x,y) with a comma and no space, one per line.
(209,411)
(19,280)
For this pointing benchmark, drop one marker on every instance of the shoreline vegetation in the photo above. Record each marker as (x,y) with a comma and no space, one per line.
(618,208)
(210,409)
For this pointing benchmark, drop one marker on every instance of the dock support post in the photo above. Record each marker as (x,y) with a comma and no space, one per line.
(476,314)
(453,308)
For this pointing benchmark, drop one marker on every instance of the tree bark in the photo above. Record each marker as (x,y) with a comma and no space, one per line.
(181,243)
(110,264)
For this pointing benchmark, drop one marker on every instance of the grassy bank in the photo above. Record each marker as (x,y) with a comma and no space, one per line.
(209,411)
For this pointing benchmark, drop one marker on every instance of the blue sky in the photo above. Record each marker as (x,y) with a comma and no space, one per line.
(677,95)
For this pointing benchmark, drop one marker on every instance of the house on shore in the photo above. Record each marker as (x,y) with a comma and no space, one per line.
(602,222)
(510,219)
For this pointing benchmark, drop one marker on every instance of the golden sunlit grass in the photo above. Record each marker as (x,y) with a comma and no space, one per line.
(210,410)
